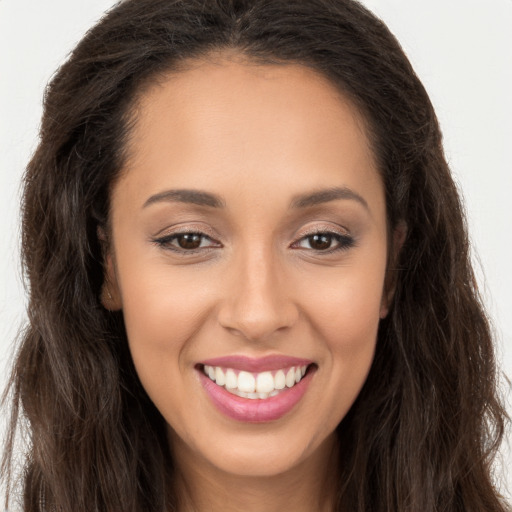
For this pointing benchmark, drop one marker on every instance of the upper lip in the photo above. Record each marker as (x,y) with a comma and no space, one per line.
(253,364)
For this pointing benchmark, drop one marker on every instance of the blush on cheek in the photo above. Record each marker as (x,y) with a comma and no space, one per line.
(348,311)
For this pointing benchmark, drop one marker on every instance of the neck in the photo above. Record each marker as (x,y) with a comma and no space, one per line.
(310,485)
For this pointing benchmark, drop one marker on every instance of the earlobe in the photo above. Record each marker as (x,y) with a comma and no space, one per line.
(110,300)
(398,240)
(384,310)
(110,297)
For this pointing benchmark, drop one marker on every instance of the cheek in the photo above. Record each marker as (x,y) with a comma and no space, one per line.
(344,316)
(346,308)
(163,309)
(345,324)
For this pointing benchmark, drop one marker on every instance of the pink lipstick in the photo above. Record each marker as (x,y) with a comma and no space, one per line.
(255,390)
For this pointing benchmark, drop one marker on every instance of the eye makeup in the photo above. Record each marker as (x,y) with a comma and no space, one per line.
(188,242)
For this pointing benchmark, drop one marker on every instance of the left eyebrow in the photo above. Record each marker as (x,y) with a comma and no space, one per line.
(190,196)
(325,196)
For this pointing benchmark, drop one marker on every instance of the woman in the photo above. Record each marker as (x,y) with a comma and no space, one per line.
(249,273)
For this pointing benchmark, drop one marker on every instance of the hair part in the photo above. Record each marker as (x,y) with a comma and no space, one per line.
(424,429)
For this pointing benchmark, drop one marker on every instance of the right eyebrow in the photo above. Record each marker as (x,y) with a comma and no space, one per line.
(198,197)
(326,195)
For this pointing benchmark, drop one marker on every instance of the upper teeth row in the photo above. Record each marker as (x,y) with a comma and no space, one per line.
(264,382)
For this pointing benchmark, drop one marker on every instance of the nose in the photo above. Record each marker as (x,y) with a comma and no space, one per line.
(257,301)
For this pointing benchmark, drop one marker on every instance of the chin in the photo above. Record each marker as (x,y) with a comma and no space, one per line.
(269,453)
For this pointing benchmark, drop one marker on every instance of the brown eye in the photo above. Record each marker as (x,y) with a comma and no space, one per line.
(327,242)
(189,240)
(320,242)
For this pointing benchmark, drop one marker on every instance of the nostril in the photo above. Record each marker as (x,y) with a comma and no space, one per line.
(257,312)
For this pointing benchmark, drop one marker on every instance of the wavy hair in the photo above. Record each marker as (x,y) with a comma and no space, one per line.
(422,433)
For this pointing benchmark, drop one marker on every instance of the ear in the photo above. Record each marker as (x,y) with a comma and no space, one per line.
(110,297)
(397,240)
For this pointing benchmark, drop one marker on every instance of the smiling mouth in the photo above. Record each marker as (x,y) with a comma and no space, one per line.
(254,386)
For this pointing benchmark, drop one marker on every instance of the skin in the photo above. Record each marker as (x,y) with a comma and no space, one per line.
(258,137)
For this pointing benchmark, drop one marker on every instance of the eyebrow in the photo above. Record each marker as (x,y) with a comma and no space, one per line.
(186,196)
(202,198)
(325,196)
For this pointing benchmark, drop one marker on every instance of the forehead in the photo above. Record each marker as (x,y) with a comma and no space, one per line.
(229,122)
(226,88)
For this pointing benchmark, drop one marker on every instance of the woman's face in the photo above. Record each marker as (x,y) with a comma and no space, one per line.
(249,244)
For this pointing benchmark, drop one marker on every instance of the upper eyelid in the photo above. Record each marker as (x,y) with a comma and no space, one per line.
(341,236)
(185,229)
(172,236)
(214,237)
(165,243)
(345,241)
(313,230)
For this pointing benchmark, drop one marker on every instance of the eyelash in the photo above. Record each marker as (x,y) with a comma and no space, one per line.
(345,242)
(166,242)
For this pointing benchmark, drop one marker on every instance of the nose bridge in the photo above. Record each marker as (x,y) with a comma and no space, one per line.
(258,302)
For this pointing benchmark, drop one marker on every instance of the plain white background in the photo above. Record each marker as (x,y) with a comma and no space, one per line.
(462,51)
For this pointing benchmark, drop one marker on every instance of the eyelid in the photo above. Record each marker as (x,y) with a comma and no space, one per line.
(321,227)
(184,228)
(345,239)
(164,238)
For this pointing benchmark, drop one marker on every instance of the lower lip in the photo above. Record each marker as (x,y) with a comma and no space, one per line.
(255,410)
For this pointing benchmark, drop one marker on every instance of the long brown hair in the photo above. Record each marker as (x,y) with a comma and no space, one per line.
(424,429)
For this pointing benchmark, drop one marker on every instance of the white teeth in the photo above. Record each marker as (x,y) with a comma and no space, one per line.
(231,379)
(264,382)
(220,378)
(280,380)
(255,386)
(290,378)
(246,382)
